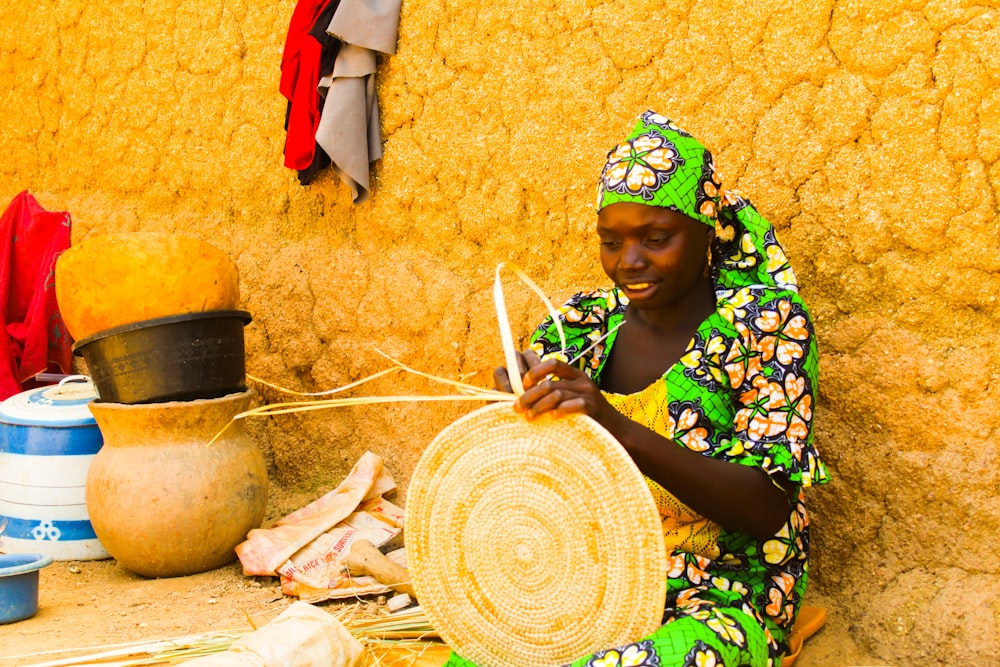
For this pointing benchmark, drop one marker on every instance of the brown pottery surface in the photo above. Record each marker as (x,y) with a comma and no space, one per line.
(97,279)
(162,500)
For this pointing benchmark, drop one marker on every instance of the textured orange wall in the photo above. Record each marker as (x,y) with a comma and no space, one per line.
(869,132)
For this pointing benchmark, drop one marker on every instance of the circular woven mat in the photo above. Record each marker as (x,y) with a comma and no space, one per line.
(532,544)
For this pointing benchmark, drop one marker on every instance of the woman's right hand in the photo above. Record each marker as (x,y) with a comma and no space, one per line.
(525,361)
(552,386)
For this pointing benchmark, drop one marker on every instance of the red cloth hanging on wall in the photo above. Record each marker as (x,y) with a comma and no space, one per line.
(300,74)
(33,338)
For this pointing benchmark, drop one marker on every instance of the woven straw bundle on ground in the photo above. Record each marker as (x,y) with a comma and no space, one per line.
(531,544)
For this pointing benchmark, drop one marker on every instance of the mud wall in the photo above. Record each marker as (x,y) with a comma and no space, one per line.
(869,132)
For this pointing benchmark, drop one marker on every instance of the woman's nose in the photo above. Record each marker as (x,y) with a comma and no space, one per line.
(632,255)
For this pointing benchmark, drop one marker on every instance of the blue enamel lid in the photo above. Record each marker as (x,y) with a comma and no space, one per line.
(63,404)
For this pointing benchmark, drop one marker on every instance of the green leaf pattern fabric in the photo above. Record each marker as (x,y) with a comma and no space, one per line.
(749,378)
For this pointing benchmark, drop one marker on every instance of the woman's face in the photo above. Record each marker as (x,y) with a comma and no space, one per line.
(654,255)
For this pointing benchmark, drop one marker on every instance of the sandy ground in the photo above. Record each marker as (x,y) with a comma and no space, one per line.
(96,603)
(90,605)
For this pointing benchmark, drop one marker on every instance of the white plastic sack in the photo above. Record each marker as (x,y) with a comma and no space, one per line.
(301,636)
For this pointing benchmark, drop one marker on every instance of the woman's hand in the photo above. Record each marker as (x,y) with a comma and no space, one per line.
(525,360)
(552,386)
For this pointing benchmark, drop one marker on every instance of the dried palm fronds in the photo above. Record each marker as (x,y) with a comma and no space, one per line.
(406,633)
(506,337)
(410,623)
(407,654)
(402,639)
(133,654)
(467,392)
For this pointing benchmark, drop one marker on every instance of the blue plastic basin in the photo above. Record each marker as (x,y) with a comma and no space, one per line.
(19,585)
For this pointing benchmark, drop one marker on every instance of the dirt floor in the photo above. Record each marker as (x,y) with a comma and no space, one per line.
(93,604)
(96,603)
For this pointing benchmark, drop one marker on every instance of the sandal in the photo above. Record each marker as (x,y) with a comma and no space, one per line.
(808,623)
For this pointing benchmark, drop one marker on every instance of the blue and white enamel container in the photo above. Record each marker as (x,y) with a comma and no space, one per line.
(48,439)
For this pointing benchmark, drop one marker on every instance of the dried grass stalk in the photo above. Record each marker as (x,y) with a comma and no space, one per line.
(407,633)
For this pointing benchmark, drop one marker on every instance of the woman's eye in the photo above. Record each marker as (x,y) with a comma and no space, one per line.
(657,240)
(610,244)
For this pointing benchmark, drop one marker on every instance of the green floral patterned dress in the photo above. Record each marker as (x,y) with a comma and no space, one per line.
(743,392)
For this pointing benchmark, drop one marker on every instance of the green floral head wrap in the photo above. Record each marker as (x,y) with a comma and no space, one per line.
(659,164)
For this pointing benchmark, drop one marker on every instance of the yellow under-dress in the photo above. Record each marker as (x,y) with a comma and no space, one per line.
(683,528)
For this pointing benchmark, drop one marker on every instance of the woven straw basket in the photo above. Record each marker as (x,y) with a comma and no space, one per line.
(532,544)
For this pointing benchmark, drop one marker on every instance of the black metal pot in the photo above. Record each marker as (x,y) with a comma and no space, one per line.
(177,358)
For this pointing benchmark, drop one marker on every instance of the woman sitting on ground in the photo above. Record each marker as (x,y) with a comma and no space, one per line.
(708,379)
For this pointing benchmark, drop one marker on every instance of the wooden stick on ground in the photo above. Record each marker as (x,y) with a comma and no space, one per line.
(364,558)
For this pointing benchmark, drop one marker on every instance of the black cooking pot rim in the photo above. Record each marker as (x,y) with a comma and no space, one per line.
(160,321)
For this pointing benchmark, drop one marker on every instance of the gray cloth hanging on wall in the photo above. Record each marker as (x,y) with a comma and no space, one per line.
(349,125)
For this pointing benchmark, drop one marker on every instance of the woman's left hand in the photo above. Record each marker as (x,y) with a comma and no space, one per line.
(552,386)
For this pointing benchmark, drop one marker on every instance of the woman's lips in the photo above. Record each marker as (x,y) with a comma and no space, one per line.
(638,288)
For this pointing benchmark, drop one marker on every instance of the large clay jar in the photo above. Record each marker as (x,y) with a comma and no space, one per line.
(164,502)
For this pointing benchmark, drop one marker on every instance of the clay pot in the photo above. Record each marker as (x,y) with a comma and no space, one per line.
(112,280)
(162,501)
